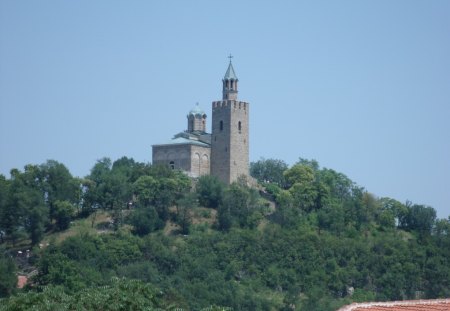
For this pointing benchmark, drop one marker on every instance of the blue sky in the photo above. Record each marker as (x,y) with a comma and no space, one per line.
(363,87)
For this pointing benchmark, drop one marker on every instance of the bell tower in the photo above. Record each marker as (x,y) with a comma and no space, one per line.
(230,83)
(230,132)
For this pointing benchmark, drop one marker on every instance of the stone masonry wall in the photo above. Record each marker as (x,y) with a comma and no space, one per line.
(200,161)
(179,154)
(229,141)
(192,159)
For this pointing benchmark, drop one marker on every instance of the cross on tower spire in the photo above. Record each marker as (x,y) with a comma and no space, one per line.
(230,57)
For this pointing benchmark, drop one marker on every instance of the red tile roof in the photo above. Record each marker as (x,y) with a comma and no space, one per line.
(21,281)
(407,305)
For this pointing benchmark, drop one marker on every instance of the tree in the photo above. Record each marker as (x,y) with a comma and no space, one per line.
(8,278)
(159,193)
(63,213)
(395,208)
(239,207)
(111,186)
(145,220)
(313,164)
(339,185)
(304,196)
(184,210)
(145,188)
(285,213)
(299,173)
(58,185)
(96,191)
(4,190)
(420,218)
(25,210)
(209,190)
(35,223)
(269,170)
(119,294)
(169,191)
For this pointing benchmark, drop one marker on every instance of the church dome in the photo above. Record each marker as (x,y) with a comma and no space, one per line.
(197,111)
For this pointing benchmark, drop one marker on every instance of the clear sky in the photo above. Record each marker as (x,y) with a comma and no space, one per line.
(363,87)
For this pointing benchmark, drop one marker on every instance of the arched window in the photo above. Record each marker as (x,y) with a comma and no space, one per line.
(221,125)
(197,164)
(239,126)
(172,165)
(204,165)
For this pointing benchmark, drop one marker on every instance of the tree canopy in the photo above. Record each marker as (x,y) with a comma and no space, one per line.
(314,240)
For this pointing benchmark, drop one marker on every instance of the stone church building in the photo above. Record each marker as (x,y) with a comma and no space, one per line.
(225,151)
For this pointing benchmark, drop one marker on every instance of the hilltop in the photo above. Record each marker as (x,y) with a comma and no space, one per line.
(307,238)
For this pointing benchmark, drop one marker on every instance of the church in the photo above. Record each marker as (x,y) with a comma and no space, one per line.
(224,152)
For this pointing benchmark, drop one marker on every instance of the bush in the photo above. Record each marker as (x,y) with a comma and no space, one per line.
(145,220)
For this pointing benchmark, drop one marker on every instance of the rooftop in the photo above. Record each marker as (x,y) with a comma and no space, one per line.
(407,305)
(183,141)
(21,281)
(197,110)
(230,74)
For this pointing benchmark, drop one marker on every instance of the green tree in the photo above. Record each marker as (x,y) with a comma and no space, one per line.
(332,218)
(8,278)
(210,191)
(58,185)
(145,188)
(340,186)
(4,189)
(239,207)
(184,211)
(145,220)
(419,218)
(119,294)
(269,170)
(97,193)
(64,211)
(169,191)
(299,173)
(305,196)
(25,210)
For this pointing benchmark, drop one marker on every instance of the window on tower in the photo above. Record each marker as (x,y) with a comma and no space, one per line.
(239,126)
(172,165)
(221,125)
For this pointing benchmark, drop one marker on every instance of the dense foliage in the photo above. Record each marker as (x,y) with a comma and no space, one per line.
(8,278)
(328,242)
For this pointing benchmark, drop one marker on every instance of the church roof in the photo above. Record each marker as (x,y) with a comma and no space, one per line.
(408,305)
(230,74)
(183,141)
(196,110)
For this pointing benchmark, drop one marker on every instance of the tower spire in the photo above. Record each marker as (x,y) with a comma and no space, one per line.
(230,82)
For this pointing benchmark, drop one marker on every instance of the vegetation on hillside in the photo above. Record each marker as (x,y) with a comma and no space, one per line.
(169,242)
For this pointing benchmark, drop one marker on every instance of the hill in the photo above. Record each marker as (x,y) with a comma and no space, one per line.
(140,231)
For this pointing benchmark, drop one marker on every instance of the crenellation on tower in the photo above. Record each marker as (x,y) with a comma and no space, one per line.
(237,104)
